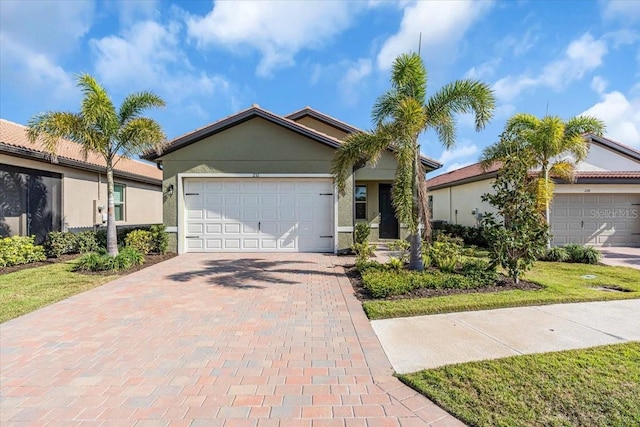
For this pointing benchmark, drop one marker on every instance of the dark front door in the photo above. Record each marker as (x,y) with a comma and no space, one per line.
(388,221)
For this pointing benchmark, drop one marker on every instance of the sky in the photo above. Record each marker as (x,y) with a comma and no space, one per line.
(209,60)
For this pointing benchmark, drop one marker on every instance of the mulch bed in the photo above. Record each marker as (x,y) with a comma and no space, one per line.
(502,284)
(149,260)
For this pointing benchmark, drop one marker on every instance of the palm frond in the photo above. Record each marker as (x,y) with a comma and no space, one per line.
(139,135)
(97,107)
(134,104)
(409,77)
(463,96)
(363,146)
(402,189)
(384,107)
(563,169)
(544,193)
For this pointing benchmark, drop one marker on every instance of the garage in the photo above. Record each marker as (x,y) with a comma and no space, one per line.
(596,219)
(258,215)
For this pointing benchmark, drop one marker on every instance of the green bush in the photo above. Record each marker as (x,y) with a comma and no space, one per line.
(361,233)
(364,265)
(395,264)
(481,273)
(363,251)
(383,284)
(18,250)
(582,254)
(591,255)
(86,241)
(59,243)
(101,261)
(159,238)
(445,254)
(556,254)
(140,240)
(399,245)
(469,235)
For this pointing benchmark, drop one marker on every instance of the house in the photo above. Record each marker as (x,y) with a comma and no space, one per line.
(602,208)
(38,195)
(258,181)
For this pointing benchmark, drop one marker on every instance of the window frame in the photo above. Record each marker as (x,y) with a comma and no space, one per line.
(122,203)
(360,202)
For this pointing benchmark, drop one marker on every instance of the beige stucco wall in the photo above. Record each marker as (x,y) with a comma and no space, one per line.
(463,198)
(256,147)
(143,202)
(322,127)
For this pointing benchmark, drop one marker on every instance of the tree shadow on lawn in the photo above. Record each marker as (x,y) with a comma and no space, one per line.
(249,273)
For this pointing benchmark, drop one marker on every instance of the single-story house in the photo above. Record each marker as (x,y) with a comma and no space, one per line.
(38,195)
(258,181)
(601,208)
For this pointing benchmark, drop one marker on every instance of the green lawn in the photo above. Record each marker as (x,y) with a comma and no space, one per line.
(593,387)
(562,283)
(27,290)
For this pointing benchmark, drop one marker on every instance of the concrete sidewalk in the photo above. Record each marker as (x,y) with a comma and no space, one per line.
(424,342)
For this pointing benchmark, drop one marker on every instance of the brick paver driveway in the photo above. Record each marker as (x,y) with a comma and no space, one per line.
(258,340)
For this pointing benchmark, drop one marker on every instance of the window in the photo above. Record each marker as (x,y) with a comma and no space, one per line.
(118,198)
(361,201)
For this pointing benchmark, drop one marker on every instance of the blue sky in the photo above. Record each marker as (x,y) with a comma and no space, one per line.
(211,59)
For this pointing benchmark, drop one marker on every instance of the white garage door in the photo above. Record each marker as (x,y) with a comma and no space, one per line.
(258,215)
(596,219)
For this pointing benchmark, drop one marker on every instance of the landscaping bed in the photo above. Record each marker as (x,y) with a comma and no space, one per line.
(590,387)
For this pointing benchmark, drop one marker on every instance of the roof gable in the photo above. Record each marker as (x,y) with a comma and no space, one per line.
(323,118)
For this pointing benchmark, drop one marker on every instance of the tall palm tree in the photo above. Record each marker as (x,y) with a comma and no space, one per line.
(101,129)
(549,139)
(400,116)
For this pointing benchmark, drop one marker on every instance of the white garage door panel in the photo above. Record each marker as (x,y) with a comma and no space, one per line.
(259,215)
(596,219)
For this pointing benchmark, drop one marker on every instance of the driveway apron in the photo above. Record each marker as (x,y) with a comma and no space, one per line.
(251,340)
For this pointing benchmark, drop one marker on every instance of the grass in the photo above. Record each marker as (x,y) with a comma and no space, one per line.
(562,283)
(593,387)
(27,290)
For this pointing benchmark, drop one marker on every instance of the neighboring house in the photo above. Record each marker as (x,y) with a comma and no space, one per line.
(602,208)
(40,193)
(258,181)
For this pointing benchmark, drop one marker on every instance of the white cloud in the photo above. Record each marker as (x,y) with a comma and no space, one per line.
(623,10)
(350,84)
(442,24)
(148,55)
(458,165)
(483,71)
(581,56)
(621,115)
(461,152)
(520,44)
(599,84)
(277,30)
(132,11)
(33,36)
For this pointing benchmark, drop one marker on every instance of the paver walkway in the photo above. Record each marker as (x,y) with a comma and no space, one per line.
(490,334)
(260,340)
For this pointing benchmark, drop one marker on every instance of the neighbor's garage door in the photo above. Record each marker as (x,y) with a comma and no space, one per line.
(269,215)
(596,219)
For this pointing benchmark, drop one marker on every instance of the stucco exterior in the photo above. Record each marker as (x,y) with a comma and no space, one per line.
(455,204)
(83,190)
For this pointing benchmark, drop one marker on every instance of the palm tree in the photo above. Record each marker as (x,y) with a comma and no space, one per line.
(400,116)
(549,139)
(100,129)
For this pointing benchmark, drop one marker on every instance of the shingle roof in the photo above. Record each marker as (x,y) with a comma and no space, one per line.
(336,123)
(13,139)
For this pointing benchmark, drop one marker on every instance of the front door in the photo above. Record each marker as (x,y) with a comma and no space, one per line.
(388,221)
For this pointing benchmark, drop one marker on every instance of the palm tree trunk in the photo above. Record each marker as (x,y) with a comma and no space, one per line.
(112,237)
(415,258)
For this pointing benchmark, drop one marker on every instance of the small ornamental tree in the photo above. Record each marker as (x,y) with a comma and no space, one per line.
(518,235)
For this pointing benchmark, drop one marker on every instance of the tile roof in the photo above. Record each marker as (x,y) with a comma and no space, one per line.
(14,135)
(464,174)
(308,111)
(607,174)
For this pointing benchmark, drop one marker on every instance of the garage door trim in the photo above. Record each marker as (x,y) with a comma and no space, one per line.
(181,202)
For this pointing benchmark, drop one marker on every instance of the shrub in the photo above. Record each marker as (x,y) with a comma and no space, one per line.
(101,237)
(556,254)
(383,284)
(86,242)
(140,240)
(363,251)
(18,250)
(582,254)
(399,245)
(101,261)
(363,266)
(159,238)
(395,264)
(361,233)
(470,235)
(480,272)
(445,254)
(59,243)
(426,257)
